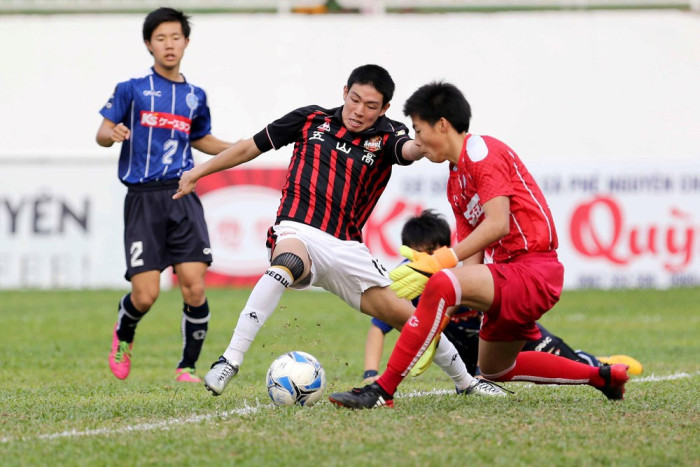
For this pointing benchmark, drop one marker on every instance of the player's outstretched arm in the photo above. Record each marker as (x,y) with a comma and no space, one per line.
(411,152)
(239,153)
(210,144)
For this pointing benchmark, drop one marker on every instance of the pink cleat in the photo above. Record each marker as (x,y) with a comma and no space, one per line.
(120,357)
(186,375)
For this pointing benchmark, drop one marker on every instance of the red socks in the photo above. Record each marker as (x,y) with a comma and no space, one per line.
(419,330)
(545,368)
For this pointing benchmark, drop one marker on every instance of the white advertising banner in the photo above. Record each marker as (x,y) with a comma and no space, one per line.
(626,225)
(621,226)
(60,224)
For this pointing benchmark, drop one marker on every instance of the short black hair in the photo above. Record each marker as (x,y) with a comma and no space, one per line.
(375,76)
(164,15)
(436,100)
(426,232)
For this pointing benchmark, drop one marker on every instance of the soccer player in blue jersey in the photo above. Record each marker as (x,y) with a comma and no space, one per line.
(341,163)
(158,117)
(427,232)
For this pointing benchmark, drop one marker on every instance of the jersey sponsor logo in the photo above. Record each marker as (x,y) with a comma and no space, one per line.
(343,147)
(474,211)
(151,92)
(373,144)
(317,135)
(166,120)
(192,101)
(278,277)
(368,158)
(542,345)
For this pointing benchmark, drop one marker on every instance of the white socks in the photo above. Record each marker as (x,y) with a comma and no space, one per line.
(455,368)
(261,304)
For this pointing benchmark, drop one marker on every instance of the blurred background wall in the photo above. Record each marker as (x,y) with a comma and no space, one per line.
(602,104)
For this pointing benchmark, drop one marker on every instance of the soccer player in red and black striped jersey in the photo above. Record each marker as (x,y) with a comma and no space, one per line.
(341,163)
(510,269)
(158,118)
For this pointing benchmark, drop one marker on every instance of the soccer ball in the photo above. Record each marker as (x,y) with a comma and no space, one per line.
(296,378)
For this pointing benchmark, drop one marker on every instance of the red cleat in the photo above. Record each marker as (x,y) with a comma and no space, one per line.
(615,377)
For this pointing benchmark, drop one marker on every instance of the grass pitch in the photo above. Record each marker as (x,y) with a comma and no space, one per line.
(60,405)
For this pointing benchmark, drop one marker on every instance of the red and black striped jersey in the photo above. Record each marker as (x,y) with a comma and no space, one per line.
(335,177)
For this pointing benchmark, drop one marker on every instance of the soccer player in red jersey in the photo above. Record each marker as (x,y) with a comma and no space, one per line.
(507,246)
(341,162)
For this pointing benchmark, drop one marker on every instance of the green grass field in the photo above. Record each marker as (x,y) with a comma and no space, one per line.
(60,405)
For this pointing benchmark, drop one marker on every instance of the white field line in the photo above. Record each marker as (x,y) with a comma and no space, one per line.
(247,410)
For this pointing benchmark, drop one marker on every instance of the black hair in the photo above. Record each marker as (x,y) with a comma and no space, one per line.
(426,232)
(375,76)
(436,100)
(164,15)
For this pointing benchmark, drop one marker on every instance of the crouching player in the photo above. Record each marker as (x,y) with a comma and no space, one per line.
(510,270)
(426,233)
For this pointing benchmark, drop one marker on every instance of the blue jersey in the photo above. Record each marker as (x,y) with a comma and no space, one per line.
(163,116)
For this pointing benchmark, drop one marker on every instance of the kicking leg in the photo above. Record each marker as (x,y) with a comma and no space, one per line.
(290,263)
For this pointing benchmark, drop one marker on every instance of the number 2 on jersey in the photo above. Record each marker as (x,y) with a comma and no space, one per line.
(170,147)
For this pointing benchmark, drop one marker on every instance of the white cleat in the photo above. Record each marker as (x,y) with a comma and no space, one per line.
(482,387)
(222,371)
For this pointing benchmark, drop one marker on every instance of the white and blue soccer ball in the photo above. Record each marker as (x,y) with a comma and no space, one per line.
(296,378)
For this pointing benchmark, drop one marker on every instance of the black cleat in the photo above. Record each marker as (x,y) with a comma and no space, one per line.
(368,397)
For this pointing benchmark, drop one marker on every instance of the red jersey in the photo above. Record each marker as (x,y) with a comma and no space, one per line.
(488,168)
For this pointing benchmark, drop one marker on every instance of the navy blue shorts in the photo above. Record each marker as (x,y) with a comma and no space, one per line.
(160,231)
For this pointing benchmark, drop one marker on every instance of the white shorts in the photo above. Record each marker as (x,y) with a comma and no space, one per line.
(343,267)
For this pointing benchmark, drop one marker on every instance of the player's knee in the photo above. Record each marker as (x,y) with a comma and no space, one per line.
(439,281)
(193,293)
(441,285)
(291,262)
(143,300)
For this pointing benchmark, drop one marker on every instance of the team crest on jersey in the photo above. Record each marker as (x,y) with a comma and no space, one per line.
(374,143)
(325,127)
(192,101)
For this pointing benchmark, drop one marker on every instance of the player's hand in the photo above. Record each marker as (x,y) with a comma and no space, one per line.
(186,185)
(120,133)
(409,279)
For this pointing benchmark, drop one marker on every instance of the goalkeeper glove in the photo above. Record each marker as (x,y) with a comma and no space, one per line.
(410,278)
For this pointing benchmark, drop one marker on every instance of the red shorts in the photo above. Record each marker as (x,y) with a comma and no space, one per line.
(524,289)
